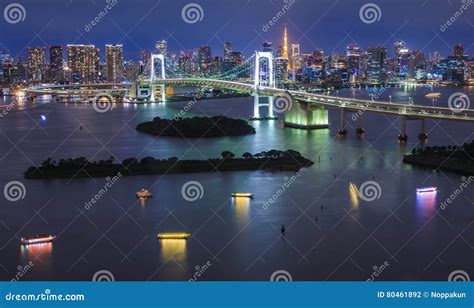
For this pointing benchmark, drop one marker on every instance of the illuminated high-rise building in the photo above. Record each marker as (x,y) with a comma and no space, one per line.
(281,70)
(285,47)
(114,63)
(353,58)
(162,47)
(204,57)
(227,56)
(459,51)
(82,63)
(37,63)
(267,47)
(227,49)
(376,62)
(397,47)
(318,59)
(56,63)
(295,56)
(145,57)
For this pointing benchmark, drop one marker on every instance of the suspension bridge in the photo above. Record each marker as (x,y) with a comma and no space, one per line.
(299,108)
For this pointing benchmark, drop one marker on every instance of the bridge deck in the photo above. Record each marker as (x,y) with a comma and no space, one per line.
(354,105)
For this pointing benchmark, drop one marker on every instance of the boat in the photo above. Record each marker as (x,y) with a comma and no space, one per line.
(173,236)
(144,194)
(426,190)
(433,95)
(37,239)
(242,195)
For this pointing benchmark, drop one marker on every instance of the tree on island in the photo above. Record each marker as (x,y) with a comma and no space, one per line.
(247,155)
(227,155)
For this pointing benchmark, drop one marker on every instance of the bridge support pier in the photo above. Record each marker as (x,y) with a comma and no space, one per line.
(162,93)
(342,123)
(403,129)
(256,108)
(303,115)
(422,135)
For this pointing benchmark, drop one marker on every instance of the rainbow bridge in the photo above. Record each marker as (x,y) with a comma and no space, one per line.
(300,109)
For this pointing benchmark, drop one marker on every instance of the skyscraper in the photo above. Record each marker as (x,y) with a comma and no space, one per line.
(162,47)
(145,57)
(204,57)
(227,49)
(267,47)
(377,58)
(114,63)
(285,47)
(227,56)
(82,62)
(295,56)
(36,63)
(397,46)
(353,58)
(56,63)
(459,51)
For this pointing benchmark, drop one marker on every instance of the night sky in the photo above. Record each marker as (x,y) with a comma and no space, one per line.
(325,24)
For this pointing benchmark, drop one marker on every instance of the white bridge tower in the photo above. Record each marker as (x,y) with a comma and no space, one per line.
(161,58)
(263,78)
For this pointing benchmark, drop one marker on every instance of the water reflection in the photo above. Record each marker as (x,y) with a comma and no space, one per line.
(241,206)
(354,194)
(425,204)
(39,254)
(173,250)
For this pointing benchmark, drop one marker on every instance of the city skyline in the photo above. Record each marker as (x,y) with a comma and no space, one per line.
(305,27)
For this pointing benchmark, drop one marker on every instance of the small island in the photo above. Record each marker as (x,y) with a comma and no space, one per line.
(273,160)
(457,159)
(197,127)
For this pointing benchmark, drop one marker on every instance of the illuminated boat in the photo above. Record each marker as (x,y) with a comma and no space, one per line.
(173,236)
(38,239)
(433,95)
(426,190)
(144,194)
(242,195)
